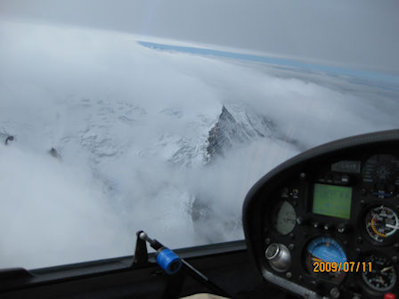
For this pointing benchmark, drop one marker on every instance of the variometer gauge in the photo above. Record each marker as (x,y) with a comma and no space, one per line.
(285,220)
(382,223)
(382,277)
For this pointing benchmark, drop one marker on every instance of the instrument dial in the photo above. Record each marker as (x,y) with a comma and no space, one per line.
(286,218)
(381,223)
(381,174)
(324,249)
(381,169)
(382,276)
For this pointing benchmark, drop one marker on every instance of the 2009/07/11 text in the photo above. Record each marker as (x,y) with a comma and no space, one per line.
(321,266)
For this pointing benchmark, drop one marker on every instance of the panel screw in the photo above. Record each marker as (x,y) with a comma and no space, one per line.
(334,292)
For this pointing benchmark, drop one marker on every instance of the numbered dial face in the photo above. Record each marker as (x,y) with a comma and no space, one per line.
(285,220)
(381,170)
(381,223)
(382,276)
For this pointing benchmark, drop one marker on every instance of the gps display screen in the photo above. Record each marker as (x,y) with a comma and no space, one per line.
(334,201)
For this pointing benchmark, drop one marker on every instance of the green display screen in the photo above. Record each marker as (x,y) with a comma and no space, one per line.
(332,200)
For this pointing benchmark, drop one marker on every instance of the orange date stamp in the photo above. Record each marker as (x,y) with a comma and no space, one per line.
(322,266)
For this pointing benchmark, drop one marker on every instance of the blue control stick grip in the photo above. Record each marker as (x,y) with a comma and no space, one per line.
(169,261)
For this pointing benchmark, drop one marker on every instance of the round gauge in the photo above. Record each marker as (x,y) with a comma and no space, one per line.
(324,249)
(382,276)
(381,170)
(381,223)
(286,218)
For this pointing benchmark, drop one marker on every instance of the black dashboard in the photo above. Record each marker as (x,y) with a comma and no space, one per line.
(326,222)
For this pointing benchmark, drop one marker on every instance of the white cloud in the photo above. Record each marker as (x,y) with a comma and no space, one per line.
(117,112)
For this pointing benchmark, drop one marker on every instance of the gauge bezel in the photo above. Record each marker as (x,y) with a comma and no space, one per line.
(275,212)
(320,275)
(382,159)
(372,290)
(362,222)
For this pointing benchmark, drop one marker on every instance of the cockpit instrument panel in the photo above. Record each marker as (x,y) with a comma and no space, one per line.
(326,222)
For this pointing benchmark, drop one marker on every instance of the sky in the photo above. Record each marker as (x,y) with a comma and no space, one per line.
(353,34)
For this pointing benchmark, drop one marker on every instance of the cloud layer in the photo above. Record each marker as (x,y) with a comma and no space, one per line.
(116,113)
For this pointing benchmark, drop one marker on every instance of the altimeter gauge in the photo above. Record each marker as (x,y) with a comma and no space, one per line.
(382,276)
(382,223)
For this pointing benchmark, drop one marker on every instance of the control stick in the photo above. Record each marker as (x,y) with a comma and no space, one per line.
(169,261)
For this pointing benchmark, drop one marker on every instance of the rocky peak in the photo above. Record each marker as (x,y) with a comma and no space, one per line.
(236,125)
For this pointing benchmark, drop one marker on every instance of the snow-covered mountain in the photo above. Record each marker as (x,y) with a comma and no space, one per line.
(118,141)
(239,125)
(239,128)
